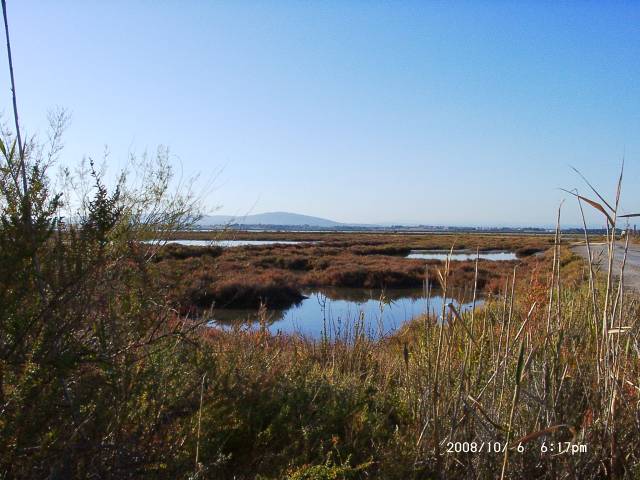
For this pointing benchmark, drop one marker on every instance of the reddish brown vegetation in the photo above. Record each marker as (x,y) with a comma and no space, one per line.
(373,242)
(275,275)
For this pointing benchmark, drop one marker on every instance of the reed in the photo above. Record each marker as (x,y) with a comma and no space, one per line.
(530,365)
(549,357)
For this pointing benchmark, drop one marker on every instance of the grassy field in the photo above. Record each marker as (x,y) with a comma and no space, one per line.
(200,277)
(117,382)
(114,364)
(521,388)
(404,240)
(109,370)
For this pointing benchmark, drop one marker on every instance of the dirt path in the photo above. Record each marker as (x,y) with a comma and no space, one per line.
(599,255)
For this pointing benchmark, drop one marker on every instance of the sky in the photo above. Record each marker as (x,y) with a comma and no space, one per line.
(442,113)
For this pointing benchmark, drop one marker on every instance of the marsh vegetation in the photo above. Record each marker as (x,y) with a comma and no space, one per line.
(110,367)
(276,275)
(110,370)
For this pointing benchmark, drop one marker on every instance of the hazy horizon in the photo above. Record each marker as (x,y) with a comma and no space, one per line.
(431,113)
(243,219)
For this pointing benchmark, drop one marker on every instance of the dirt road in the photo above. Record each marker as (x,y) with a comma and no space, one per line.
(600,258)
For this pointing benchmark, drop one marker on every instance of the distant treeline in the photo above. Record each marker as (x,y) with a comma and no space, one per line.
(401,228)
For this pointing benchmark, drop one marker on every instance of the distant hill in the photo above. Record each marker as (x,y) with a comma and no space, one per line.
(270,218)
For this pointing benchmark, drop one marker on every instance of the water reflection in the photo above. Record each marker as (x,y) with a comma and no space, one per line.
(334,312)
(227,243)
(461,255)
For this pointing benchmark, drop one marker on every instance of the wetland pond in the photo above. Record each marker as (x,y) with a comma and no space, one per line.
(227,243)
(440,255)
(462,255)
(335,311)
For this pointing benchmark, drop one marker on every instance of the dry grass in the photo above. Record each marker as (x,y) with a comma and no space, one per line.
(403,240)
(525,371)
(541,382)
(276,274)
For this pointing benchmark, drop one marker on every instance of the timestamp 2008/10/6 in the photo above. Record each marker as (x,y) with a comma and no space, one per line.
(552,448)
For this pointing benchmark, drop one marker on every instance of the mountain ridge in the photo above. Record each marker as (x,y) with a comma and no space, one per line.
(269,218)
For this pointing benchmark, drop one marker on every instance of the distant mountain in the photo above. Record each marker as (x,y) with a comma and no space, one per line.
(270,218)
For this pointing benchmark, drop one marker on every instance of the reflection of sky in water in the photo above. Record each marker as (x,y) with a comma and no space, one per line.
(337,314)
(461,256)
(227,243)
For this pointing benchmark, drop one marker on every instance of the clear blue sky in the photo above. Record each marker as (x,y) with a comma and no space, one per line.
(435,112)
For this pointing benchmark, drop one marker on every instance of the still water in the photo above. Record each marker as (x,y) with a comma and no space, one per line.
(228,243)
(333,312)
(461,256)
